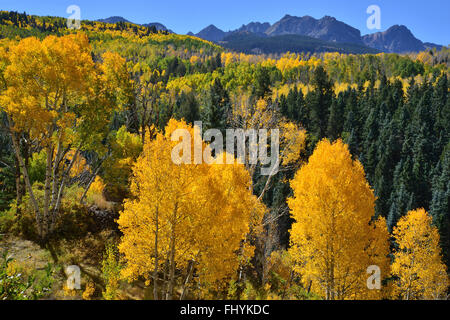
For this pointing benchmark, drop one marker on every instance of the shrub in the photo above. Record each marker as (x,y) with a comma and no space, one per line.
(73,220)
(18,284)
(111,269)
(7,221)
(89,291)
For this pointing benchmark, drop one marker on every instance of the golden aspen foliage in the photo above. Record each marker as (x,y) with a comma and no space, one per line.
(185,218)
(38,75)
(227,58)
(111,272)
(89,291)
(333,238)
(56,93)
(79,164)
(263,116)
(194,60)
(418,267)
(146,90)
(97,186)
(95,194)
(292,142)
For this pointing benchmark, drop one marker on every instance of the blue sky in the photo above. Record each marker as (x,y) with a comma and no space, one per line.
(428,20)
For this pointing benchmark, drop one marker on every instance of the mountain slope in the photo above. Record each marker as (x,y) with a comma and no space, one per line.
(327,28)
(251,43)
(212,33)
(116,19)
(255,27)
(430,45)
(157,25)
(398,39)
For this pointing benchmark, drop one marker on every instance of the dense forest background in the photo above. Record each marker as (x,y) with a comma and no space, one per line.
(393,112)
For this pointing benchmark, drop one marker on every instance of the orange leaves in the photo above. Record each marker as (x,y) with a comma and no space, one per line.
(195,60)
(97,186)
(292,141)
(417,261)
(290,64)
(115,74)
(332,239)
(54,91)
(202,212)
(44,77)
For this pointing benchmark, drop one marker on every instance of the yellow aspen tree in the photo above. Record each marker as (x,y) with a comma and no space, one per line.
(333,239)
(56,94)
(292,141)
(262,115)
(147,88)
(418,267)
(184,219)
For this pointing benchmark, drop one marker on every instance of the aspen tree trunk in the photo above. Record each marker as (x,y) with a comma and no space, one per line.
(332,290)
(47,191)
(143,133)
(309,286)
(288,284)
(332,250)
(83,197)
(19,187)
(58,158)
(91,181)
(155,271)
(166,277)
(66,173)
(144,120)
(26,178)
(188,278)
(169,295)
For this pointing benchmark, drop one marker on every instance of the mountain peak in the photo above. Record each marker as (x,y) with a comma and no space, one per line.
(116,19)
(113,19)
(398,39)
(327,28)
(289,17)
(212,27)
(212,33)
(329,19)
(157,25)
(254,27)
(398,28)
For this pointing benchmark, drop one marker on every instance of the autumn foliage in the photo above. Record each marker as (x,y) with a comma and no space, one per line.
(55,93)
(418,268)
(186,223)
(86,151)
(334,239)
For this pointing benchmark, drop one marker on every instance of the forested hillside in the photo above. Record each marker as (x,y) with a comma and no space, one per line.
(86,170)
